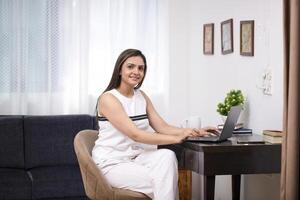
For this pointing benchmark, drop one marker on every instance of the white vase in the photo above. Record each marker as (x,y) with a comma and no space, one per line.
(223,118)
(241,120)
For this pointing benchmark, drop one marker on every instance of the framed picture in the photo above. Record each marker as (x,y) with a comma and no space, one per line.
(247,38)
(227,36)
(208,39)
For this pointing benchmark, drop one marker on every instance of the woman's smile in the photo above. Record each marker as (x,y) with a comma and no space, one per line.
(135,78)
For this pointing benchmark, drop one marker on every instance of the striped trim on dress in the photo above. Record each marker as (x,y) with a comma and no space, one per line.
(133,118)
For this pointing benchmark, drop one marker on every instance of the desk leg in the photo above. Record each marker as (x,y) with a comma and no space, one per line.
(236,185)
(209,187)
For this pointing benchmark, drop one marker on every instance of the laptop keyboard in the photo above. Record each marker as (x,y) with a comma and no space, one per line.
(205,136)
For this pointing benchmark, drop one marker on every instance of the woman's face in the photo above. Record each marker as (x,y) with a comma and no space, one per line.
(132,71)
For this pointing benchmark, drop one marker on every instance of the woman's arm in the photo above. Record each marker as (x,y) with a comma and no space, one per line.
(111,108)
(159,125)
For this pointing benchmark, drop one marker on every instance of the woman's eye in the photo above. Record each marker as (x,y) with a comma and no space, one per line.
(141,68)
(130,66)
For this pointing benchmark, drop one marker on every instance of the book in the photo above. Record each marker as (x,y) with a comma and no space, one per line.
(274,133)
(243,131)
(250,139)
(272,136)
(272,139)
(237,126)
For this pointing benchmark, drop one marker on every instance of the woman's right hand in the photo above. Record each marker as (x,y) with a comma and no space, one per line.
(187,132)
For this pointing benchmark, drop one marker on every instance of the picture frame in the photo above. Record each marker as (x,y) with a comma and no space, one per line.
(227,36)
(247,38)
(208,39)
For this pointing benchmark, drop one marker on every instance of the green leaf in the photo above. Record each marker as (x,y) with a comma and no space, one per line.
(232,98)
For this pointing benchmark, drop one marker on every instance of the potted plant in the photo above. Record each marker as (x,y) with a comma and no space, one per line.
(233,98)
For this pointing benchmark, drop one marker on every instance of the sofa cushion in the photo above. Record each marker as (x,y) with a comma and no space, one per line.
(14,184)
(11,142)
(69,198)
(56,182)
(49,139)
(95,123)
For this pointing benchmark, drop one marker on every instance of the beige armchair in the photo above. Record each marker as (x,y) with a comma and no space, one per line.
(95,184)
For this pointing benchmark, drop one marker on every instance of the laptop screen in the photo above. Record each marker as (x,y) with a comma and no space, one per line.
(230,122)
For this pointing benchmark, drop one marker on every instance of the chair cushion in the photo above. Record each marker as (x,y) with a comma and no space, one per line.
(11,142)
(14,184)
(56,182)
(49,139)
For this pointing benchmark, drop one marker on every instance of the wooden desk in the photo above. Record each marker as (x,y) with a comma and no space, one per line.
(227,158)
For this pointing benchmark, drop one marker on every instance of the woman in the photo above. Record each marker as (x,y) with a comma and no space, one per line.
(125,114)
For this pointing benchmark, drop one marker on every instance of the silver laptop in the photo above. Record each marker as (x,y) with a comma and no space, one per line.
(227,130)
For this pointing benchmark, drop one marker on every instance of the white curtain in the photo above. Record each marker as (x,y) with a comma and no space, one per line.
(57,56)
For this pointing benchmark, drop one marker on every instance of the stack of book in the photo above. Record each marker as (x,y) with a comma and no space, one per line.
(238,129)
(242,131)
(272,136)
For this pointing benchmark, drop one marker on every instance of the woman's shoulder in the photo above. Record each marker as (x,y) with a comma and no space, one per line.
(112,92)
(139,93)
(106,100)
(143,94)
(107,96)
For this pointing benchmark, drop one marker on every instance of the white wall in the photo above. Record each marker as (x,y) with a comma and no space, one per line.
(198,82)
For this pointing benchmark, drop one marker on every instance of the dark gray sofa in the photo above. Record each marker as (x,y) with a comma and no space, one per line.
(37,158)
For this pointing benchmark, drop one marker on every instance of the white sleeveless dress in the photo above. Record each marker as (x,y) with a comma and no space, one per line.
(131,165)
(112,146)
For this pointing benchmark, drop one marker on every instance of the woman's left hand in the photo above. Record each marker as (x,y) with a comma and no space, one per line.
(209,130)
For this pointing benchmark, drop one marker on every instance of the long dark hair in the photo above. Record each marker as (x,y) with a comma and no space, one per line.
(115,80)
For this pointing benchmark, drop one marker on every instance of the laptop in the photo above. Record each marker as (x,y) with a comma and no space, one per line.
(227,130)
